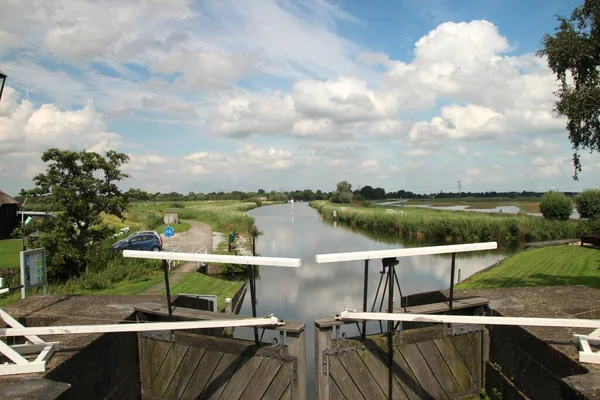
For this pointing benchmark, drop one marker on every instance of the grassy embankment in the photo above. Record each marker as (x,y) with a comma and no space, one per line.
(454,226)
(546,266)
(9,253)
(109,273)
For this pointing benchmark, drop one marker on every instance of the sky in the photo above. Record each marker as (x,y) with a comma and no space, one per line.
(221,95)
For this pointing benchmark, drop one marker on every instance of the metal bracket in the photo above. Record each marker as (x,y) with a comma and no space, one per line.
(459,329)
(284,357)
(334,352)
(164,336)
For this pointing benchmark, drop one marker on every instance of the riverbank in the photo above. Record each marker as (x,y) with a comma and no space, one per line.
(453,226)
(546,266)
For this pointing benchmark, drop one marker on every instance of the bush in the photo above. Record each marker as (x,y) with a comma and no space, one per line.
(556,205)
(587,204)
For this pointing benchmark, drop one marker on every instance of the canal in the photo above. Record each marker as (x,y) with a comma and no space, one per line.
(322,290)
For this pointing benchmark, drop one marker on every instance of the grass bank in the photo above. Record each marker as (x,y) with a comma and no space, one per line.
(454,226)
(546,266)
(9,253)
(195,283)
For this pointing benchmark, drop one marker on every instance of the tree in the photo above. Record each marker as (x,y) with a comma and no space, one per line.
(574,56)
(84,185)
(343,193)
(556,205)
(587,204)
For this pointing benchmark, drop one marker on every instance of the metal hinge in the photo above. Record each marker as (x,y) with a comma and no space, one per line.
(333,352)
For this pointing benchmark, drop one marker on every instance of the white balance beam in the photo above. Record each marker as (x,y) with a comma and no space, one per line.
(414,251)
(215,258)
(463,319)
(138,327)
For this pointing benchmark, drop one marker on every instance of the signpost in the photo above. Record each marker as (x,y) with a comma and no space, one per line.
(33,270)
(168,231)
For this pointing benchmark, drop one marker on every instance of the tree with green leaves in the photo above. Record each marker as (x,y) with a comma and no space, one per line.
(587,204)
(343,193)
(574,55)
(84,185)
(556,205)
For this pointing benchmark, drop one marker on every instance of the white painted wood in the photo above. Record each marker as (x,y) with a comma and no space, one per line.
(592,358)
(12,355)
(137,327)
(45,354)
(585,346)
(33,348)
(29,368)
(216,258)
(464,319)
(10,321)
(396,253)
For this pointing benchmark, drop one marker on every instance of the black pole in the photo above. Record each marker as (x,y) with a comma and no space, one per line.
(165,266)
(452,268)
(390,331)
(364,324)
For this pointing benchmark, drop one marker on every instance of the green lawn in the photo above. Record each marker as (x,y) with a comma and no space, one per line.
(195,283)
(9,253)
(547,266)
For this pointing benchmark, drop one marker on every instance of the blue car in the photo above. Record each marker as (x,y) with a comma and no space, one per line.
(139,241)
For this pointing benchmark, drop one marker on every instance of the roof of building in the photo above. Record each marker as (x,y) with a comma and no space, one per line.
(6,199)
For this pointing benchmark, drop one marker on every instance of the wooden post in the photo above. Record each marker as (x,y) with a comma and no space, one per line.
(296,342)
(228,332)
(322,342)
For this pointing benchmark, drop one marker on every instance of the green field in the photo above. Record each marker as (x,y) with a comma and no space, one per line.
(547,266)
(203,284)
(9,253)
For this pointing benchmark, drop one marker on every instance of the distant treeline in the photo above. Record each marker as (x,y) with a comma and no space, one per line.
(367,192)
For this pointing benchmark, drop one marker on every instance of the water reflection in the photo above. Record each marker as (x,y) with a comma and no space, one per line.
(322,290)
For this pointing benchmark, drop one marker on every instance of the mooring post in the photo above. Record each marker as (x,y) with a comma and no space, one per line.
(252,283)
(296,346)
(452,268)
(165,265)
(322,343)
(364,324)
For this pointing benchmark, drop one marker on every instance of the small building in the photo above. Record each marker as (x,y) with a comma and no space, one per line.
(8,215)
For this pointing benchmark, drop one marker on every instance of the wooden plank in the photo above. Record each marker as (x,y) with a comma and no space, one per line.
(146,346)
(379,370)
(288,394)
(361,376)
(214,343)
(221,376)
(436,308)
(188,365)
(476,338)
(281,382)
(422,372)
(334,391)
(157,357)
(168,369)
(322,342)
(466,351)
(241,378)
(328,322)
(202,374)
(440,369)
(262,378)
(455,363)
(405,377)
(343,379)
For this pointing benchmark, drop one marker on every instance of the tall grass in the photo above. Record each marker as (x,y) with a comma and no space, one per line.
(454,226)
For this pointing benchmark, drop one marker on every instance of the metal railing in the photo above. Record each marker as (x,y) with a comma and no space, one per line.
(174,261)
(203,250)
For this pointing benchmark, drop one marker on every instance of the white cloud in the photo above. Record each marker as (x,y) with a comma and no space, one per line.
(418,153)
(460,150)
(471,172)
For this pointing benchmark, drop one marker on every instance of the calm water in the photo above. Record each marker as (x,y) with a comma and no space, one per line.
(322,290)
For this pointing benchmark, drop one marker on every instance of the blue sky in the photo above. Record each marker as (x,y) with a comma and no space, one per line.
(233,95)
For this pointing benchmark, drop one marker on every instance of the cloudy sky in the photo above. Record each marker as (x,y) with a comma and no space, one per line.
(278,94)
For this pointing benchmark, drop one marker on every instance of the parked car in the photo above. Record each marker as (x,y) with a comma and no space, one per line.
(144,240)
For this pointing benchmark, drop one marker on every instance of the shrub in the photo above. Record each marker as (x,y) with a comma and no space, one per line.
(556,205)
(587,204)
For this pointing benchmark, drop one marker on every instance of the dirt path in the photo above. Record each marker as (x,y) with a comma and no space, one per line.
(198,236)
